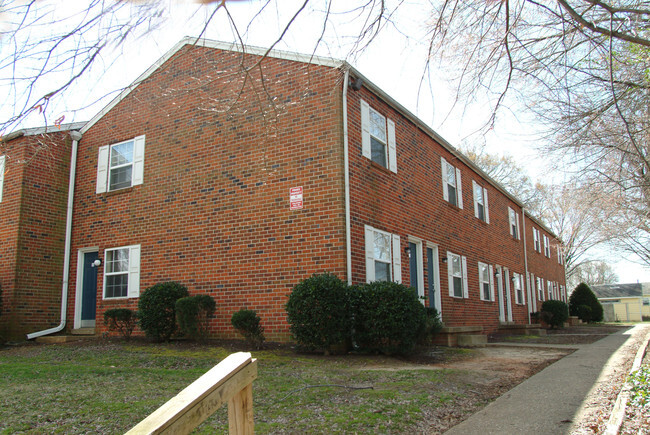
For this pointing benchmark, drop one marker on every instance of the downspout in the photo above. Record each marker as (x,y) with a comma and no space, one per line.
(76,137)
(346,164)
(527,284)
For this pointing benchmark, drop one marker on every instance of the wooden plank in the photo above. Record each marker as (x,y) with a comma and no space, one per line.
(240,412)
(201,398)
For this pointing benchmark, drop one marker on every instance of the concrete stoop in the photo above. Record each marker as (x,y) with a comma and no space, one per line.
(451,336)
(75,335)
(518,329)
(472,340)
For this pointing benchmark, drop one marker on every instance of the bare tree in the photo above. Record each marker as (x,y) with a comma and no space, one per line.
(581,66)
(593,273)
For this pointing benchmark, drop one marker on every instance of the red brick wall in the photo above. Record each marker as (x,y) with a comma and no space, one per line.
(31,236)
(213,211)
(410,203)
(541,266)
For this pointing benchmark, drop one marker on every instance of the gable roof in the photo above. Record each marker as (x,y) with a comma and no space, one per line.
(621,290)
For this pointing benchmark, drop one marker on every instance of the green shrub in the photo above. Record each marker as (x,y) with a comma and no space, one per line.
(156,309)
(247,323)
(388,317)
(122,320)
(584,312)
(433,325)
(557,313)
(318,312)
(582,295)
(193,314)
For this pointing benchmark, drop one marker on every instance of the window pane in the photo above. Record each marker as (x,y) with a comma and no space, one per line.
(382,271)
(117,260)
(378,152)
(458,287)
(120,178)
(486,291)
(382,246)
(117,285)
(478,194)
(485,273)
(451,175)
(378,126)
(456,268)
(122,154)
(481,212)
(451,191)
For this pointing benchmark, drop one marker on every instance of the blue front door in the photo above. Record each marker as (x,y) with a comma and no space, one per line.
(89,290)
(413,266)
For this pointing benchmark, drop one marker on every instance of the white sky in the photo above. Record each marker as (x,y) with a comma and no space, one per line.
(394,60)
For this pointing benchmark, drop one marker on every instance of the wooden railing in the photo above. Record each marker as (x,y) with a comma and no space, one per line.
(229,381)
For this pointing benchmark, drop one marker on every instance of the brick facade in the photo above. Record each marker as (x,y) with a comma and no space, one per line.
(226,136)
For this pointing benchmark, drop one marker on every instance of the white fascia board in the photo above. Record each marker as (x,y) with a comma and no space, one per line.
(188,40)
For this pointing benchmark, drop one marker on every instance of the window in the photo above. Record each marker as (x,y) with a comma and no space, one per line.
(2,174)
(563,293)
(518,287)
(383,260)
(122,272)
(378,137)
(547,247)
(537,244)
(451,185)
(550,289)
(540,289)
(486,281)
(646,301)
(457,274)
(513,218)
(120,165)
(560,259)
(481,210)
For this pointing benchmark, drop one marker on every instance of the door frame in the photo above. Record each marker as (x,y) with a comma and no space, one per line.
(79,286)
(501,294)
(436,271)
(419,260)
(507,278)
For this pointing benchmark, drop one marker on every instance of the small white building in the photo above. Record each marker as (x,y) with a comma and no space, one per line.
(624,302)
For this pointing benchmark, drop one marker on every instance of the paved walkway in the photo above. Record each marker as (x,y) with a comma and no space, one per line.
(549,401)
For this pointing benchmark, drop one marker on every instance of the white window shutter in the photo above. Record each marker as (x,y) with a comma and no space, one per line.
(138,160)
(485,205)
(474,186)
(102,169)
(392,146)
(530,282)
(491,269)
(134,271)
(443,166)
(459,189)
(522,286)
(365,130)
(450,274)
(465,286)
(2,174)
(397,260)
(370,254)
(518,235)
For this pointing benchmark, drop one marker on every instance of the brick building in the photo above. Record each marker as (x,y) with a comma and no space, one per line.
(239,175)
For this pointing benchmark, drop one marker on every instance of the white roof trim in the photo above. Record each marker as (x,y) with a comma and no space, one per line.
(188,40)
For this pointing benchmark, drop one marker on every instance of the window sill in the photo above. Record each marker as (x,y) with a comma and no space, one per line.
(118,191)
(376,165)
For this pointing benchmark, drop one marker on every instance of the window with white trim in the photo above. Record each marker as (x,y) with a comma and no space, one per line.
(560,259)
(537,243)
(513,219)
(383,256)
(486,281)
(562,293)
(2,174)
(518,288)
(120,165)
(122,272)
(540,289)
(457,275)
(378,137)
(547,247)
(481,210)
(452,188)
(549,285)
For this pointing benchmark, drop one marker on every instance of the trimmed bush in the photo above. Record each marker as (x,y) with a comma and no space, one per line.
(157,309)
(583,295)
(193,314)
(388,317)
(247,323)
(122,320)
(318,312)
(555,313)
(432,326)
(584,312)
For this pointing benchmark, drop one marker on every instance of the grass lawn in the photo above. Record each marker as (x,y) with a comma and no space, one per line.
(108,387)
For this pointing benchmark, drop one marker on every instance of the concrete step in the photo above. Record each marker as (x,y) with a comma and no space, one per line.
(83,331)
(472,340)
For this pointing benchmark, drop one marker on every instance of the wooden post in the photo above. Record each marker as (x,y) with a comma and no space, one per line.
(229,381)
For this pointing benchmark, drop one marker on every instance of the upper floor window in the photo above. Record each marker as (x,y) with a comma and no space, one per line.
(383,260)
(457,275)
(481,210)
(550,290)
(378,137)
(513,218)
(486,280)
(451,184)
(547,247)
(518,285)
(536,241)
(2,174)
(122,272)
(120,165)
(540,289)
(560,258)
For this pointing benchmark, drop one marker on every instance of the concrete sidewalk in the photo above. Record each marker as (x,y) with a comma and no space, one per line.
(549,401)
